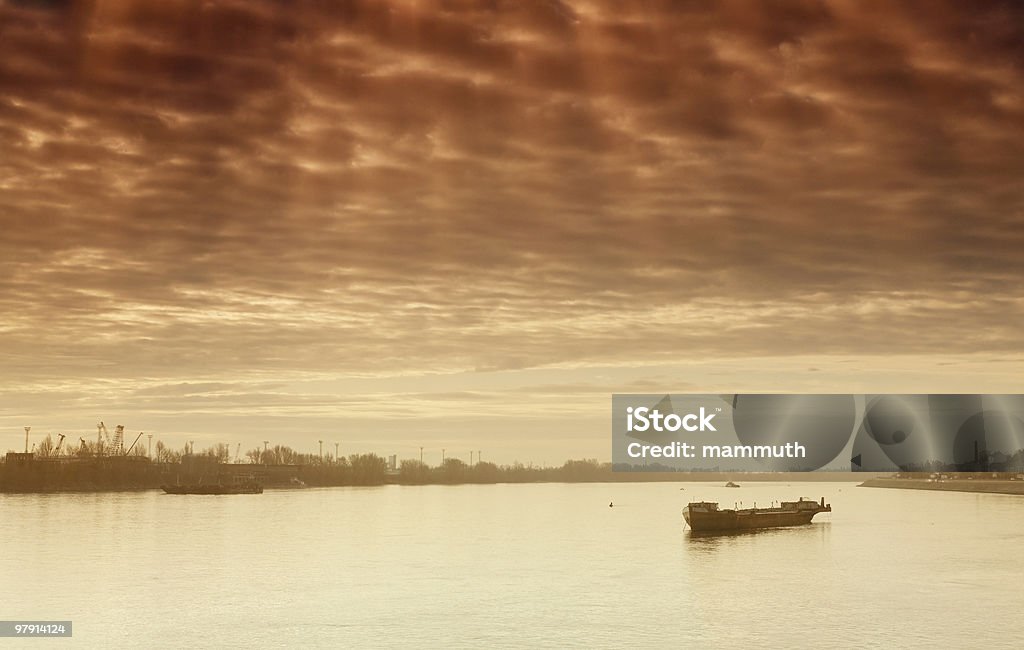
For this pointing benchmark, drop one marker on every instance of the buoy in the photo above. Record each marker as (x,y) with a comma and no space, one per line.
(610,504)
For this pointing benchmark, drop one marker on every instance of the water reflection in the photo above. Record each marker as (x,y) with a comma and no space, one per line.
(711,541)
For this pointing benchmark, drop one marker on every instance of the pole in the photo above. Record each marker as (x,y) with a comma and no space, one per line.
(335,452)
(321,450)
(27,429)
(150,437)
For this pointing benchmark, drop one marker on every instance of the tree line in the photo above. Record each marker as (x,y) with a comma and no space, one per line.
(370,469)
(355,469)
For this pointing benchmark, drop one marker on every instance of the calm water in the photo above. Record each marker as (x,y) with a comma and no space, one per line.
(513,565)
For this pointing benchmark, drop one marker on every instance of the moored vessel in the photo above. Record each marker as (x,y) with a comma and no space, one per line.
(238,485)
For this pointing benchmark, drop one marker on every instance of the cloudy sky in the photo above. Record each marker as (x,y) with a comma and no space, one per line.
(465,224)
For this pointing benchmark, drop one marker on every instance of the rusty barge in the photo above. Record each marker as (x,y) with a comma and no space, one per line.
(237,485)
(706,516)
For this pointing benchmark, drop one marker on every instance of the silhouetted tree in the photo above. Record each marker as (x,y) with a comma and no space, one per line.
(221,451)
(485,473)
(453,471)
(45,447)
(414,472)
(164,454)
(367,469)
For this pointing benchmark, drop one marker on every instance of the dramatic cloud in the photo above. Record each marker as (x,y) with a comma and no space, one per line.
(218,218)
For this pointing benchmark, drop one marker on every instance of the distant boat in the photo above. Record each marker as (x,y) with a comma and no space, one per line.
(731,484)
(705,516)
(238,485)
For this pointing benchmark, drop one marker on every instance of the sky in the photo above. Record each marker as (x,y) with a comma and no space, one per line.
(464,225)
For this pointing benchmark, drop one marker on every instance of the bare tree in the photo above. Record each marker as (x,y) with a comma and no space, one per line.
(45,447)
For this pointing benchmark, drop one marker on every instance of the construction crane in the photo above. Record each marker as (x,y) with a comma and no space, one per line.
(56,450)
(118,445)
(134,443)
(101,435)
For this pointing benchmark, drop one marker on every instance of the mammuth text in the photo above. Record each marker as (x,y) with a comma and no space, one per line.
(686,450)
(788,450)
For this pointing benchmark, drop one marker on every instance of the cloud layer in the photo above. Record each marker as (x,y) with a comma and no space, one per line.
(243,193)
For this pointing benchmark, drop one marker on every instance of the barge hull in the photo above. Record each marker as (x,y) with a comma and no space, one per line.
(707,516)
(732,520)
(212,489)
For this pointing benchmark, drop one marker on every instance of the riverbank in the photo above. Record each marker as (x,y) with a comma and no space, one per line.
(949,485)
(119,473)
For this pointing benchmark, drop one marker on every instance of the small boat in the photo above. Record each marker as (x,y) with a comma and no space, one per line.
(238,485)
(731,484)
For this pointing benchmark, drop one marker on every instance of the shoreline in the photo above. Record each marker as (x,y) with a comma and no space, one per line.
(957,485)
(673,478)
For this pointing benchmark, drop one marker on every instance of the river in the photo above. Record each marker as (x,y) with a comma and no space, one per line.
(536,565)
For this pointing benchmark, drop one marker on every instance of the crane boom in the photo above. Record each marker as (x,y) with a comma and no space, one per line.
(118,445)
(133,444)
(101,435)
